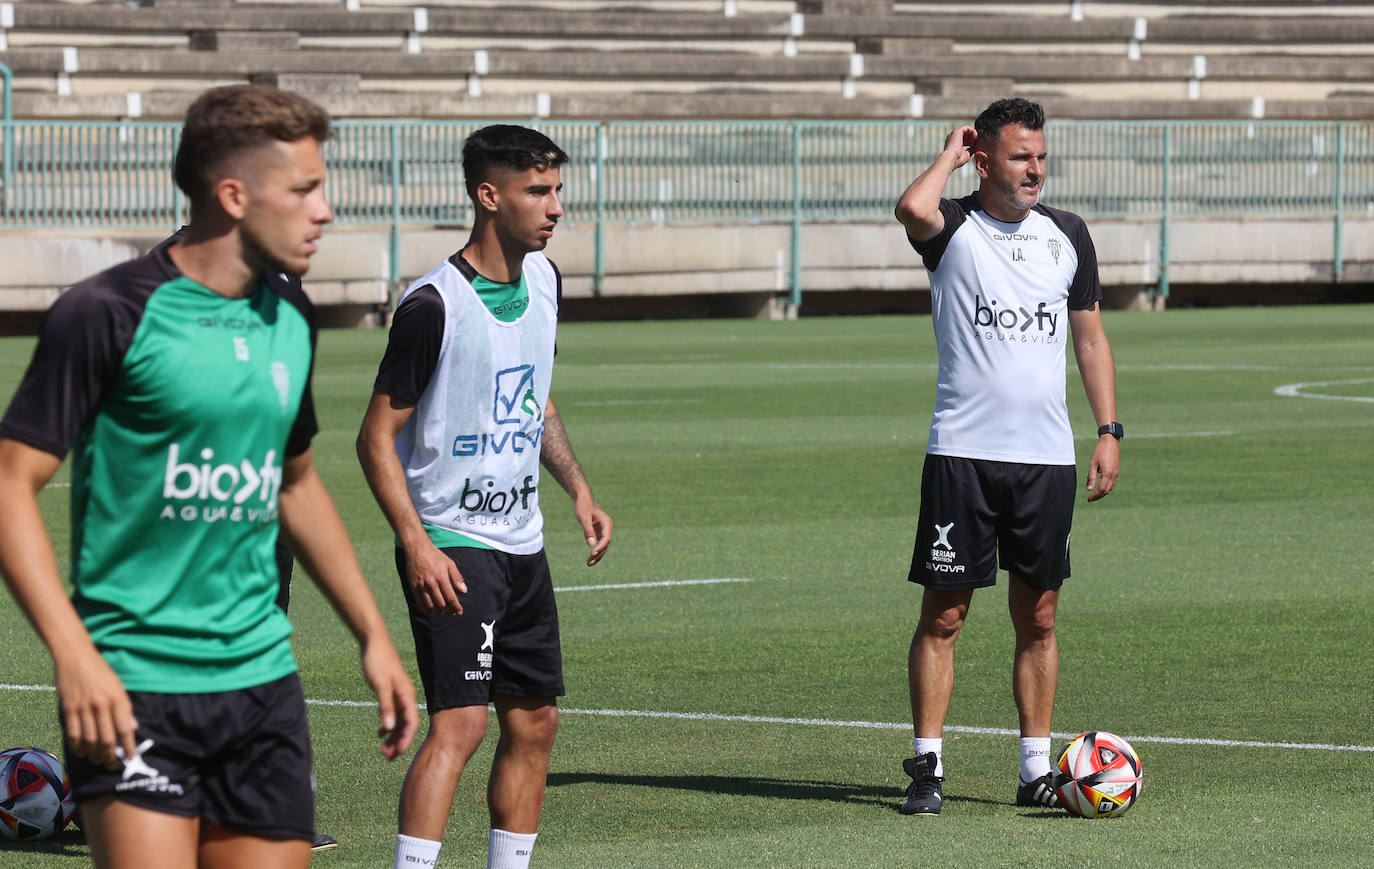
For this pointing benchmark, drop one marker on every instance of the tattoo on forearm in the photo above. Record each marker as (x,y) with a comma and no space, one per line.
(557,454)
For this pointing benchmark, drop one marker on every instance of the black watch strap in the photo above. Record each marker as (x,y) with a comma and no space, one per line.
(1115,429)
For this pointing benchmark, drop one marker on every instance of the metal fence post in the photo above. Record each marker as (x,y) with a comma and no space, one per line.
(1338,238)
(8,75)
(796,297)
(1162,291)
(180,206)
(395,246)
(599,237)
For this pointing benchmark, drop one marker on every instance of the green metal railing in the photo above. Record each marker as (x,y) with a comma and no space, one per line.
(407,173)
(7,115)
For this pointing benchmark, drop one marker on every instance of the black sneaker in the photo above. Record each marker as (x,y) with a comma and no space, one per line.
(324,842)
(1040,792)
(924,795)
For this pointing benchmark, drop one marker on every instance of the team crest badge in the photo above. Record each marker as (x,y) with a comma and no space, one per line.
(281,378)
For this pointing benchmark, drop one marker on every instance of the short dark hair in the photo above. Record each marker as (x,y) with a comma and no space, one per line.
(1010,112)
(225,121)
(507,146)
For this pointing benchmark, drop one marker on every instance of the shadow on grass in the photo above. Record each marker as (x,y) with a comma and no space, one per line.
(1052,815)
(71,842)
(752,786)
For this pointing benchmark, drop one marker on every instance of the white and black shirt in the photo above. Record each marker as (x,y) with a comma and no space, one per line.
(471,449)
(1000,297)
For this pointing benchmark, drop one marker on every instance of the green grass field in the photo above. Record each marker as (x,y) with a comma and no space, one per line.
(1221,607)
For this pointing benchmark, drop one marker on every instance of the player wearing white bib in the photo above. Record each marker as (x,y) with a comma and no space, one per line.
(459,423)
(1012,281)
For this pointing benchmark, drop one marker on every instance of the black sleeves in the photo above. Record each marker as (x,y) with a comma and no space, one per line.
(1086,288)
(81,347)
(306,425)
(954,211)
(412,348)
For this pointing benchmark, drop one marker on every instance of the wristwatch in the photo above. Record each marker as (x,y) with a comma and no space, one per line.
(1115,429)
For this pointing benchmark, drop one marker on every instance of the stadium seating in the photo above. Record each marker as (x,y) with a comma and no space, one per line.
(698,58)
(670,60)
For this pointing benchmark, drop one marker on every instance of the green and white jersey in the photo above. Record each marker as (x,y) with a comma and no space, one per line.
(179,406)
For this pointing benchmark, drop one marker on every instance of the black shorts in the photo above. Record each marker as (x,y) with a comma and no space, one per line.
(972,510)
(238,759)
(505,644)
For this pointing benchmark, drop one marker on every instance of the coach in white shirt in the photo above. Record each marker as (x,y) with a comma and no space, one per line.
(1011,282)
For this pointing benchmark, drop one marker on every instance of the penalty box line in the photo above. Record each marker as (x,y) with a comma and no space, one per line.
(830,722)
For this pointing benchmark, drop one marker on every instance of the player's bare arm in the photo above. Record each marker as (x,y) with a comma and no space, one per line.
(1095,363)
(313,529)
(95,706)
(919,208)
(557,457)
(434,579)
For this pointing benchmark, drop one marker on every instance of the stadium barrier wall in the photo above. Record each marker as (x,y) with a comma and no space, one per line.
(762,208)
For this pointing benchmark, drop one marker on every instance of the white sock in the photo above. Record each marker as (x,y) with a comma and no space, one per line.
(413,853)
(506,850)
(923,746)
(1035,757)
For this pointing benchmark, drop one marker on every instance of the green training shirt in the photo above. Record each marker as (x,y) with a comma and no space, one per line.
(179,406)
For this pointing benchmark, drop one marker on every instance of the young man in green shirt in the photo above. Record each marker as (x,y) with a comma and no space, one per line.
(180,382)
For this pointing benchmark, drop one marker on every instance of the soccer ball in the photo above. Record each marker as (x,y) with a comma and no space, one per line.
(1098,775)
(35,796)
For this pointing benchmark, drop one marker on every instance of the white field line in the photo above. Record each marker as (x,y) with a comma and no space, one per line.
(657,584)
(58,486)
(636,402)
(1296,390)
(913,365)
(772,366)
(830,722)
(1165,366)
(982,731)
(849,366)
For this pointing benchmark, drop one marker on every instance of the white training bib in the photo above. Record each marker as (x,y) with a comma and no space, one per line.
(471,448)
